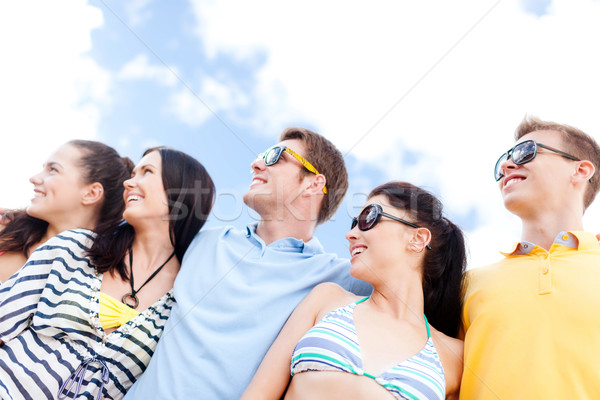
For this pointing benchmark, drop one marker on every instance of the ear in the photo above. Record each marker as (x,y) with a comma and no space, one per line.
(94,193)
(584,172)
(420,239)
(316,184)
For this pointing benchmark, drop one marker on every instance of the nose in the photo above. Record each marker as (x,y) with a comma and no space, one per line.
(129,183)
(36,179)
(352,234)
(258,165)
(506,165)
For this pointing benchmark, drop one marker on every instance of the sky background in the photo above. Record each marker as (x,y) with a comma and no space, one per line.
(428,92)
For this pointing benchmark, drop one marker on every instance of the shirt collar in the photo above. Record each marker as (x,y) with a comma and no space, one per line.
(577,240)
(290,244)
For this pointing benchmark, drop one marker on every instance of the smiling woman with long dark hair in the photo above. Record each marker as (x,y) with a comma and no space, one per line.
(82,318)
(399,342)
(79,186)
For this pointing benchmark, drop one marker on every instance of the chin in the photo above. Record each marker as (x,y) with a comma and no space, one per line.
(356,270)
(128,215)
(247,199)
(255,201)
(514,205)
(33,212)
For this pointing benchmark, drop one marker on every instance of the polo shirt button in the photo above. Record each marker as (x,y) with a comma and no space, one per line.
(545,271)
(565,237)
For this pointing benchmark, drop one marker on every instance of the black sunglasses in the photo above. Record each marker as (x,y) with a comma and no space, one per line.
(273,154)
(371,215)
(523,153)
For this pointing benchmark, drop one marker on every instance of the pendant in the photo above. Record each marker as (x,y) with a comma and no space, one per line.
(133,302)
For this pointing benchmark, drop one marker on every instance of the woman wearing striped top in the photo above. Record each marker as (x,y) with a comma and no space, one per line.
(79,186)
(336,344)
(82,318)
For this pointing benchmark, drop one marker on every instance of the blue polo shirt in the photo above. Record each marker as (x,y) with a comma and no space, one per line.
(233,293)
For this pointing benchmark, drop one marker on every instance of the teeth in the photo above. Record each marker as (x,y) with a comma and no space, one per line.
(357,250)
(256,180)
(132,197)
(513,181)
(38,194)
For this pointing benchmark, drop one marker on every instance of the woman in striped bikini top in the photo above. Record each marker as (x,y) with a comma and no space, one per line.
(336,345)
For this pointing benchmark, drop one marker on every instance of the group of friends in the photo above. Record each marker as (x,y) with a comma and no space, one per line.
(110,257)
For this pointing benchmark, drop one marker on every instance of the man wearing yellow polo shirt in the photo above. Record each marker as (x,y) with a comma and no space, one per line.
(532,320)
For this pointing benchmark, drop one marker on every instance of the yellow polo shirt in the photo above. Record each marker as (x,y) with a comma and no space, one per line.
(532,323)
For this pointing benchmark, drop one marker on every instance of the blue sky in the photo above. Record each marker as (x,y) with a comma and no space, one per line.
(428,92)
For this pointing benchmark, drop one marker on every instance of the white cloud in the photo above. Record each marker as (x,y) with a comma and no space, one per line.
(138,11)
(140,68)
(195,107)
(50,87)
(385,81)
(447,80)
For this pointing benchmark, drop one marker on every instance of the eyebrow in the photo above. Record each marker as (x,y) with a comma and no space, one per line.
(52,163)
(138,167)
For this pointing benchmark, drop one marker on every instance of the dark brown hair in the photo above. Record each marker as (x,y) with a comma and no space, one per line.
(190,195)
(98,163)
(328,160)
(444,265)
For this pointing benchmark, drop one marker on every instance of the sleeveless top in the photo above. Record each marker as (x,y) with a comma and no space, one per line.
(332,345)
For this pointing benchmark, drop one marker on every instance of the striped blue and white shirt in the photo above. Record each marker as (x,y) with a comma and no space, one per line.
(52,335)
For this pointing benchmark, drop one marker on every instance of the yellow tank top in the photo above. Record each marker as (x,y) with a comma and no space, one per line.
(114,313)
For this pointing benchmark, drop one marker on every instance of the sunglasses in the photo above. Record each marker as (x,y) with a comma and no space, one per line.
(272,155)
(523,153)
(371,215)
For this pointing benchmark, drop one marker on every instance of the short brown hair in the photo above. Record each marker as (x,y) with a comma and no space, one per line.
(575,141)
(328,160)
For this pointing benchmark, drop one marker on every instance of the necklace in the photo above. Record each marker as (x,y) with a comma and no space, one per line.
(132,296)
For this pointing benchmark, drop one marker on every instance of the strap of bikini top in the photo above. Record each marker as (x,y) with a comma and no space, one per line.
(361,300)
(427,325)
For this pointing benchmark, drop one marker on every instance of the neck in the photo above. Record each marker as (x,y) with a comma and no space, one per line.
(272,230)
(82,221)
(401,297)
(151,246)
(400,292)
(55,228)
(542,231)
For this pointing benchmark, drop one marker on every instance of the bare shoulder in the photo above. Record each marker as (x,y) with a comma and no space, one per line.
(450,351)
(447,343)
(330,296)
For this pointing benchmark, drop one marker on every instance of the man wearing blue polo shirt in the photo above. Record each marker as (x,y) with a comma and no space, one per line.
(236,289)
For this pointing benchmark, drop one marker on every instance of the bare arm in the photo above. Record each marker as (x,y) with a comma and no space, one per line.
(451,355)
(273,374)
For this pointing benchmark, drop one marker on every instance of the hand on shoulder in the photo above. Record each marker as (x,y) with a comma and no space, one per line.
(5,217)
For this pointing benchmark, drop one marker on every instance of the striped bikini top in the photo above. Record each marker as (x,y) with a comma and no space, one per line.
(332,345)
